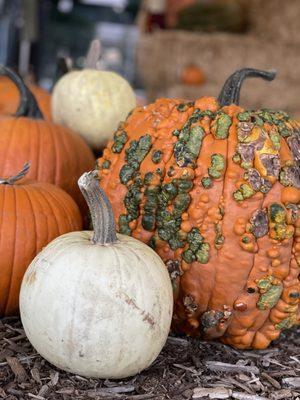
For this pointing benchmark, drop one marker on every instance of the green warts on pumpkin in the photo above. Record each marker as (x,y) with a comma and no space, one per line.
(150,208)
(215,171)
(278,226)
(217,166)
(220,125)
(270,291)
(219,238)
(207,182)
(197,249)
(105,164)
(120,138)
(257,130)
(245,191)
(156,156)
(137,151)
(130,176)
(188,146)
(288,322)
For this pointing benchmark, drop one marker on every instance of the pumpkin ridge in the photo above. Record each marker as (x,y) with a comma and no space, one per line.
(51,209)
(23,187)
(55,208)
(11,134)
(220,199)
(3,303)
(267,320)
(6,302)
(252,269)
(37,147)
(57,153)
(65,206)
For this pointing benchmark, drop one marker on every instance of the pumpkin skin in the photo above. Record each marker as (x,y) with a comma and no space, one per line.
(57,155)
(92,103)
(32,214)
(10,98)
(116,295)
(214,189)
(193,75)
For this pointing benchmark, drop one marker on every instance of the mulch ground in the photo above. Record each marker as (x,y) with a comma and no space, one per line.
(186,369)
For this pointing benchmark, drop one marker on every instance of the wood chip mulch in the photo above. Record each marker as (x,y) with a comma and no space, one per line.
(186,369)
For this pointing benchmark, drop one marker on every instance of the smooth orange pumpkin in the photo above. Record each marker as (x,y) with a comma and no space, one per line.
(32,214)
(57,155)
(215,190)
(193,75)
(10,98)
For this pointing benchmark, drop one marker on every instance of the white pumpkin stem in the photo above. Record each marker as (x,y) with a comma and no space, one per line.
(93,55)
(13,179)
(100,209)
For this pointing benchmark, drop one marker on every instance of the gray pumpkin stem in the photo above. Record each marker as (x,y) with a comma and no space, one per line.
(230,93)
(93,55)
(13,179)
(100,209)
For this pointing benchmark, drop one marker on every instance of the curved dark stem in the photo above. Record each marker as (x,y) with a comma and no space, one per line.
(100,209)
(13,179)
(28,106)
(230,93)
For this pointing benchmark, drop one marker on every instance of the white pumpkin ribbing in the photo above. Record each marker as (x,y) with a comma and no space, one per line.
(92,103)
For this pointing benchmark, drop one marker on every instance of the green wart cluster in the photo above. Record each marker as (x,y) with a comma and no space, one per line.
(270,289)
(129,175)
(215,170)
(197,249)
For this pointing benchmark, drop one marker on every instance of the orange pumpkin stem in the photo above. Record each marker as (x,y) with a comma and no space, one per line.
(28,106)
(13,179)
(230,93)
(100,209)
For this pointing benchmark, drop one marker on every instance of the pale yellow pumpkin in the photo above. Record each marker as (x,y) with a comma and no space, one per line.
(92,103)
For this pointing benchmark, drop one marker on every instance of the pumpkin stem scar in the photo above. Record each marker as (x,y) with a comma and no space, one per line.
(100,209)
(230,93)
(13,179)
(28,106)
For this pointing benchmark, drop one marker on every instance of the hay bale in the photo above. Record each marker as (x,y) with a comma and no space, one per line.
(163,55)
(275,20)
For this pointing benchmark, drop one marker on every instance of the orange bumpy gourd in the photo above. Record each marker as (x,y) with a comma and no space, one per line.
(57,155)
(214,189)
(32,214)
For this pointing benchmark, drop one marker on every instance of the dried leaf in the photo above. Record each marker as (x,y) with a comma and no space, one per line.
(17,369)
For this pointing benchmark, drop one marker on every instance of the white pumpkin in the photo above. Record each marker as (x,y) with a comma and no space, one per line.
(96,303)
(92,103)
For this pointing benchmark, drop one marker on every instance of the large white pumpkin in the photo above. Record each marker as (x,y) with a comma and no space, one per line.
(96,303)
(92,103)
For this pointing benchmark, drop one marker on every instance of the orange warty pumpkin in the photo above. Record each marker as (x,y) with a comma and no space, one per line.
(10,98)
(193,75)
(214,189)
(57,155)
(32,214)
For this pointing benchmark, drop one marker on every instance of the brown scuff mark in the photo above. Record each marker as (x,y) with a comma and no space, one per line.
(147,317)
